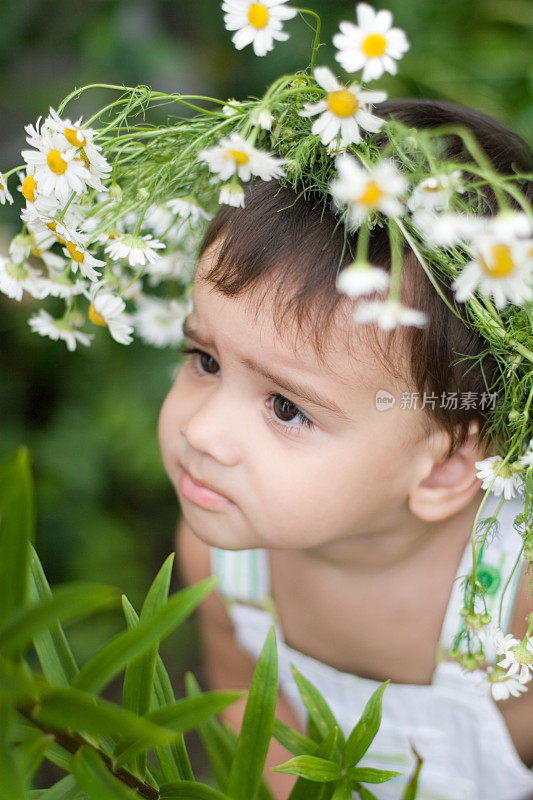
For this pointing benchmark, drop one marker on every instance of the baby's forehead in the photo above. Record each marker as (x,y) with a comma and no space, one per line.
(340,354)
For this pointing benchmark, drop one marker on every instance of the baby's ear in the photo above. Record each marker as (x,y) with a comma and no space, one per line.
(446,485)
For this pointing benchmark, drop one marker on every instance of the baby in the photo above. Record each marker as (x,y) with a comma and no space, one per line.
(343,517)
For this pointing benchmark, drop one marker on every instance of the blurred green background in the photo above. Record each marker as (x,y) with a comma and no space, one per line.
(105,508)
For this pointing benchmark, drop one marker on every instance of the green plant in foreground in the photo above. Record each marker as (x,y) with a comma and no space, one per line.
(138,750)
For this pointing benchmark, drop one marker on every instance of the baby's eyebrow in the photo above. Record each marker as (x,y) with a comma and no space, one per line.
(302,391)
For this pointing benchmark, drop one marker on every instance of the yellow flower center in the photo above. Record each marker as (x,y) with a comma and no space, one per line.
(501,263)
(2,187)
(342,103)
(374,45)
(56,162)
(36,252)
(240,157)
(372,195)
(52,225)
(71,136)
(95,317)
(74,253)
(29,185)
(258,15)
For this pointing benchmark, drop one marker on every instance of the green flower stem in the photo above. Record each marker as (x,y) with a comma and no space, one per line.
(15,169)
(396,259)
(363,239)
(316,43)
(414,247)
(477,551)
(63,211)
(135,278)
(508,581)
(477,153)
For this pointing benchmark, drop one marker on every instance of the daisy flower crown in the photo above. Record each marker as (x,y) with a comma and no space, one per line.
(115,207)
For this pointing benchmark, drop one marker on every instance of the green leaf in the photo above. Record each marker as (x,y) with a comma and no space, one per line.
(112,658)
(292,740)
(190,790)
(32,752)
(371,775)
(70,708)
(95,778)
(183,715)
(173,758)
(53,650)
(256,729)
(16,530)
(16,682)
(312,768)
(219,741)
(68,603)
(365,730)
(138,678)
(12,779)
(412,787)
(366,794)
(304,789)
(65,789)
(139,675)
(318,709)
(343,791)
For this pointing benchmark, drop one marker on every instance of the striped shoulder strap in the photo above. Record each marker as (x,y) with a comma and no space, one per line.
(496,570)
(243,574)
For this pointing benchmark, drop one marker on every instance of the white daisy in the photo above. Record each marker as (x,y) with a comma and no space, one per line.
(61,286)
(503,686)
(389,314)
(518,660)
(4,191)
(366,190)
(371,45)
(232,194)
(20,247)
(343,111)
(233,155)
(507,481)
(38,203)
(361,278)
(17,278)
(107,309)
(82,259)
(434,193)
(188,208)
(56,167)
(82,139)
(136,249)
(45,325)
(257,23)
(501,267)
(159,322)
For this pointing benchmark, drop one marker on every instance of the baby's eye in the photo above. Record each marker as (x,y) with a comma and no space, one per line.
(286,411)
(207,362)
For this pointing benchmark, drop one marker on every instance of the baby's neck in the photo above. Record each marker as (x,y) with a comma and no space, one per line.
(411,540)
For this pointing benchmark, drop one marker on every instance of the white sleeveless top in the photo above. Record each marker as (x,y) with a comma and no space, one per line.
(453,722)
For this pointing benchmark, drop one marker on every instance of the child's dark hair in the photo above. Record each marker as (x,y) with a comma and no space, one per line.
(290,247)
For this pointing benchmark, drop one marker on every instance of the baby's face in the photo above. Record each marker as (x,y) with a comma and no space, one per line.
(300,450)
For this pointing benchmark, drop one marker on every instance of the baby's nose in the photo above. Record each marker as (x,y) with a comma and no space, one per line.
(211,429)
